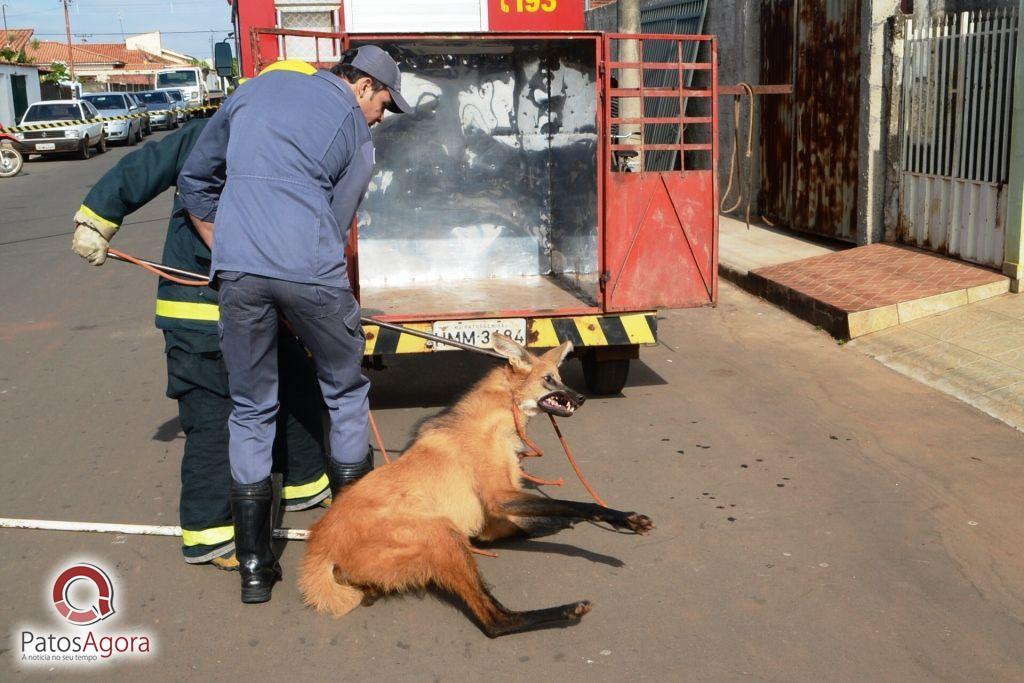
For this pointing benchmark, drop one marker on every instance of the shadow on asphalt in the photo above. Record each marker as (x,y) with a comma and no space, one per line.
(552,548)
(168,431)
(438,380)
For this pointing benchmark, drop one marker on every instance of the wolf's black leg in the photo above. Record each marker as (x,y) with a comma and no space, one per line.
(535,527)
(518,622)
(526,505)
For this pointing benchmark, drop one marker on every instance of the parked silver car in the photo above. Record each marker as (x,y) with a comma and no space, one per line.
(179,103)
(129,130)
(147,127)
(161,108)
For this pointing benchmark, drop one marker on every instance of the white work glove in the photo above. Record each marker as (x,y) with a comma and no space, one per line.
(91,239)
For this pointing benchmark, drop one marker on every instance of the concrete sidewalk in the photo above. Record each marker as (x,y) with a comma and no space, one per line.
(975,353)
(967,342)
(741,250)
(850,292)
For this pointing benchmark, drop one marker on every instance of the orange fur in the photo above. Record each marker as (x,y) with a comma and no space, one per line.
(407,525)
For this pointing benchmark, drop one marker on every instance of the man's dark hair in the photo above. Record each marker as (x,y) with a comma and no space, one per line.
(345,70)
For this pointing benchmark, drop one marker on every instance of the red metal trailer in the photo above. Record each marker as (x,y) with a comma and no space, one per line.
(501,206)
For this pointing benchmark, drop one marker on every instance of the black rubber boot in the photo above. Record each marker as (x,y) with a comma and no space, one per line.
(342,474)
(251,511)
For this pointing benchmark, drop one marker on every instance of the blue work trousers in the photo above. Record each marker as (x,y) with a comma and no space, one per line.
(327,320)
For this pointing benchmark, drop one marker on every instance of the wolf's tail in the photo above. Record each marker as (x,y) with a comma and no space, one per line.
(320,589)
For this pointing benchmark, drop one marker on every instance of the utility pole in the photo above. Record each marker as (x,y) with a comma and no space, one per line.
(7,37)
(67,27)
(629,51)
(120,19)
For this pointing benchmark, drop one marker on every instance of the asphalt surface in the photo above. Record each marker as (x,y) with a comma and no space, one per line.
(819,517)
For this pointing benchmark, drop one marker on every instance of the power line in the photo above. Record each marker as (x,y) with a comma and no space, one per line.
(166,33)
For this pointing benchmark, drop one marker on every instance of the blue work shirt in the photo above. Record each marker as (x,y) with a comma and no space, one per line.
(281,169)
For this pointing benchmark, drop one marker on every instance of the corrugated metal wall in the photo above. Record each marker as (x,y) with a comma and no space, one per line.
(682,17)
(809,141)
(956,110)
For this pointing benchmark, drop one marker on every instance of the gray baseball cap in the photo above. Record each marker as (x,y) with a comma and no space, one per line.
(373,61)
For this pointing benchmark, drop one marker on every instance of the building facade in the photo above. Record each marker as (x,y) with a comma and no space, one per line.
(19,87)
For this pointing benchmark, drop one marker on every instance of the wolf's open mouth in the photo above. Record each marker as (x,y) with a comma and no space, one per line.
(558,403)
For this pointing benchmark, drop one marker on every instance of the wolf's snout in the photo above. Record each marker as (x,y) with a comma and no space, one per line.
(562,403)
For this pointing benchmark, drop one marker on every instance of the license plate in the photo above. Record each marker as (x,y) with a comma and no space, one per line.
(479,332)
(45,145)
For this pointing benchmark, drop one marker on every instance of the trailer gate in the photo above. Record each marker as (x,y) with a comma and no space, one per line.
(661,226)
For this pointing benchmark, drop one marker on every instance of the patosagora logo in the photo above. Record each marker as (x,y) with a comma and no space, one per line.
(83,616)
(82,594)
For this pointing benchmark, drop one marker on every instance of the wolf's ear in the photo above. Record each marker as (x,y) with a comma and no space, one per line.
(558,354)
(517,355)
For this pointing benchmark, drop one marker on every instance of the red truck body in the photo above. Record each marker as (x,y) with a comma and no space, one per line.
(502,204)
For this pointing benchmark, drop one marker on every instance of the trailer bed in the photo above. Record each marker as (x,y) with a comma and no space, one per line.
(532,295)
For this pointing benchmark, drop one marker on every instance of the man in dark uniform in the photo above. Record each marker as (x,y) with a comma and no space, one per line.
(196,375)
(273,184)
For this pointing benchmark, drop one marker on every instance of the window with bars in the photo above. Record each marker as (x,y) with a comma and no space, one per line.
(309,49)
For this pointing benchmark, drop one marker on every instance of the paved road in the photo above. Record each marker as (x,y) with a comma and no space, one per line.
(820,517)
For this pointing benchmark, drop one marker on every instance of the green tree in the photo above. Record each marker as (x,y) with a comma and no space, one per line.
(58,72)
(8,54)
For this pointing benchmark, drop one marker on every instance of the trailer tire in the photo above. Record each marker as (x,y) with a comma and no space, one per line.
(604,377)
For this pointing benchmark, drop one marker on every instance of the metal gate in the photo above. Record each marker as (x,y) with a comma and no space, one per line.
(957,106)
(809,141)
(661,226)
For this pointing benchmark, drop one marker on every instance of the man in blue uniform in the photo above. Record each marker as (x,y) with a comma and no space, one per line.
(196,376)
(281,169)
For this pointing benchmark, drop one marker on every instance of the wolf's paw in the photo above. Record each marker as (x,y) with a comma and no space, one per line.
(641,524)
(576,611)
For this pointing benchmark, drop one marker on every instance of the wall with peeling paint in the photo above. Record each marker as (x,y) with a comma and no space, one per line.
(736,23)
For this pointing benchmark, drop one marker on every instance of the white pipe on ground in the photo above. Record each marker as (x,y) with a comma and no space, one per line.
(128,529)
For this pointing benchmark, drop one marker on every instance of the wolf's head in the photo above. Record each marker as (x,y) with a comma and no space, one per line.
(536,384)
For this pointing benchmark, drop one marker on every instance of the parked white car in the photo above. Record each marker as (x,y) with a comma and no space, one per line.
(127,130)
(70,137)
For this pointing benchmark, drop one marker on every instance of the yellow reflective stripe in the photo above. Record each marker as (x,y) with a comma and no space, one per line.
(213,536)
(637,328)
(372,332)
(305,490)
(544,330)
(589,328)
(100,220)
(187,311)
(410,344)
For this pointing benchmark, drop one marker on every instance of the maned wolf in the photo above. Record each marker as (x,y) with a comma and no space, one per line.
(408,525)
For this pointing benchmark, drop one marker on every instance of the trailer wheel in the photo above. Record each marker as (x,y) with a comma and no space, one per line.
(606,376)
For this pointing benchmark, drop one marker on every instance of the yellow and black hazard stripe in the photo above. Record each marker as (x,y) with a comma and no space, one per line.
(594,330)
(630,329)
(99,119)
(583,331)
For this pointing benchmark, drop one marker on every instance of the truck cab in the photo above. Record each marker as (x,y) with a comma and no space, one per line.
(197,85)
